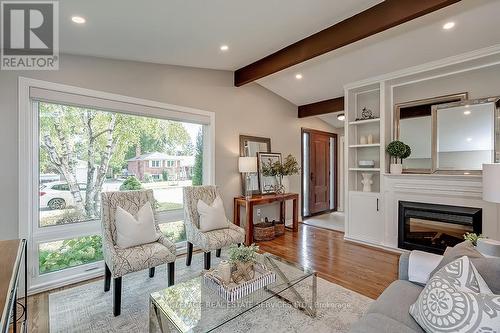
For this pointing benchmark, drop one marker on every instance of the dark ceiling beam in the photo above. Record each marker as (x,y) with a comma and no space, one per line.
(323,107)
(383,16)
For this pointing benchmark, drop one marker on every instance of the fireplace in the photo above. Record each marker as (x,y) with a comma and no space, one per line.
(431,227)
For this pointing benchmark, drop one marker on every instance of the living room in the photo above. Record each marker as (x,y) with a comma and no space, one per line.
(327,166)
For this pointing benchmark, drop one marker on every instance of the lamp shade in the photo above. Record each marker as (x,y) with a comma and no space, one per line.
(491,182)
(247,164)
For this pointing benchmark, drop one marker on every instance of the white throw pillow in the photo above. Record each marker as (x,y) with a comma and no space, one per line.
(457,299)
(212,217)
(132,232)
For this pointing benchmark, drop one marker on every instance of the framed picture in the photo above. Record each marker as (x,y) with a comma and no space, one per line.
(268,181)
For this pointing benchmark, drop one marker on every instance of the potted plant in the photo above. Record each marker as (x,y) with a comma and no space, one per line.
(289,167)
(473,237)
(242,259)
(397,150)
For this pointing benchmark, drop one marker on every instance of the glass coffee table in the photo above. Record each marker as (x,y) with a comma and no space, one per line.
(191,306)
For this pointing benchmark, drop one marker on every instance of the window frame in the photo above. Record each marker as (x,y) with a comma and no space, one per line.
(29,183)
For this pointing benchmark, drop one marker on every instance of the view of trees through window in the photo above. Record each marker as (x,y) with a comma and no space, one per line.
(84,152)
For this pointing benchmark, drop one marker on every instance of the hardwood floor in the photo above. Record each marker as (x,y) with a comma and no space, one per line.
(364,269)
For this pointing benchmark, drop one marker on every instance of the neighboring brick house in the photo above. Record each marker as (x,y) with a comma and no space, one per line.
(157,164)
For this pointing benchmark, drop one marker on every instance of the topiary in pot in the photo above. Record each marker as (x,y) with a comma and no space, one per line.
(396,149)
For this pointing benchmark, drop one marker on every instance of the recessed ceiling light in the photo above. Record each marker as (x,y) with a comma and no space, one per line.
(341,117)
(78,19)
(469,139)
(467,112)
(224,48)
(449,25)
(298,76)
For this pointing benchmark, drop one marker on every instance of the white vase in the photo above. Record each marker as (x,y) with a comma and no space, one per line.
(285,181)
(367,181)
(396,169)
(370,139)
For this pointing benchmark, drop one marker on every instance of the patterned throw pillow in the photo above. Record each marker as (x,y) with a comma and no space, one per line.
(457,299)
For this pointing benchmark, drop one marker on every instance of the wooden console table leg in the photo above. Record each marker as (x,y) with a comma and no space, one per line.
(295,215)
(236,213)
(282,211)
(249,223)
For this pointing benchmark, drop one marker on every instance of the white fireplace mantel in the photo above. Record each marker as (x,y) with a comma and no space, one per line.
(455,190)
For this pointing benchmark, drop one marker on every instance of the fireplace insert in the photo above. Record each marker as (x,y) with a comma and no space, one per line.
(431,227)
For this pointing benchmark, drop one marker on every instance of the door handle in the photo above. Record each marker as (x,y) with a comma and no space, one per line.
(311,177)
(377,205)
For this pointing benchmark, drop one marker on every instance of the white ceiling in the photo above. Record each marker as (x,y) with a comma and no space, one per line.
(413,43)
(190,32)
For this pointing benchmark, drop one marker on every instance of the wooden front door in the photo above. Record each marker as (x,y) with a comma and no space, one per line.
(319,175)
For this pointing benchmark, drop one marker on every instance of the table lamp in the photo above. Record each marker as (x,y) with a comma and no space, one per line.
(247,165)
(491,193)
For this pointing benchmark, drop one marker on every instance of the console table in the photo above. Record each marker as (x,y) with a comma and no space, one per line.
(12,257)
(256,200)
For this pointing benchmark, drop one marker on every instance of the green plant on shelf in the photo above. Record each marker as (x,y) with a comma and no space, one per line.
(398,150)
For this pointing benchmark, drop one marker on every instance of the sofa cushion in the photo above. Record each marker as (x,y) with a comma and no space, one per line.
(457,299)
(466,248)
(379,323)
(395,303)
(489,268)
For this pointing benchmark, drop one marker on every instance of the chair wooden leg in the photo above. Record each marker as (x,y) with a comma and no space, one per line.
(171,273)
(151,272)
(217,253)
(117,296)
(206,256)
(107,278)
(189,256)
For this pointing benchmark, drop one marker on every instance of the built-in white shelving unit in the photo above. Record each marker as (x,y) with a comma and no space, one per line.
(365,217)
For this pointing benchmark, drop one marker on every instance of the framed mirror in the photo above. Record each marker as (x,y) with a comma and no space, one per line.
(413,124)
(249,147)
(465,135)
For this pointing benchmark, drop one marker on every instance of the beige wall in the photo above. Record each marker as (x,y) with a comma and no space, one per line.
(251,110)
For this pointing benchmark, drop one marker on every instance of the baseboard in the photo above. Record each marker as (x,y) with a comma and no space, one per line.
(376,245)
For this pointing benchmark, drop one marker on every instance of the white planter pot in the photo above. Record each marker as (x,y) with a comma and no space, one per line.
(285,181)
(396,169)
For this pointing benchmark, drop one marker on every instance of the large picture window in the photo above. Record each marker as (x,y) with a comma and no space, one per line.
(83,151)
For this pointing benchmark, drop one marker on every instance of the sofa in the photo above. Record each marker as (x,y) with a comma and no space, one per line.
(390,312)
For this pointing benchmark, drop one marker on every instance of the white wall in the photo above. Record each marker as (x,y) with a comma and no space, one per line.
(478,83)
(251,110)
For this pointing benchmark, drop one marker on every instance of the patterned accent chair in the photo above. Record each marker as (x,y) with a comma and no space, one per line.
(211,240)
(118,261)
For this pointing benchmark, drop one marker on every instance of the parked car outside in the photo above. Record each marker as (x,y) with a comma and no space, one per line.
(56,195)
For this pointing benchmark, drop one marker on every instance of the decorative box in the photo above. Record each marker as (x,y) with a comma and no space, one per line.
(232,291)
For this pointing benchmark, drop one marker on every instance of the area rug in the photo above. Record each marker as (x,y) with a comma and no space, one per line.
(87,308)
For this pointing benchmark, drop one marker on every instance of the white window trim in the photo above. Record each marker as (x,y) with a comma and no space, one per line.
(28,179)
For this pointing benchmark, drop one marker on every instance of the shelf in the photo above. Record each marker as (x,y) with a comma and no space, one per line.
(365,169)
(367,121)
(365,145)
(364,193)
